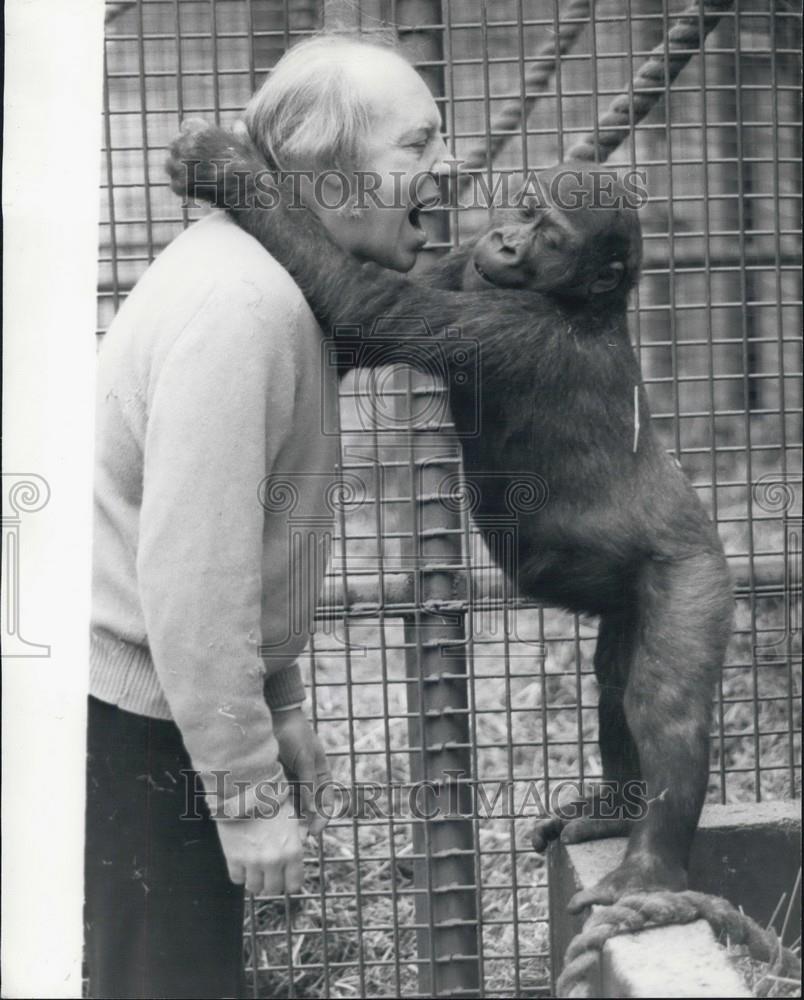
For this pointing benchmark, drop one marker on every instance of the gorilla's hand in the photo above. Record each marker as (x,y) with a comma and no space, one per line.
(212,164)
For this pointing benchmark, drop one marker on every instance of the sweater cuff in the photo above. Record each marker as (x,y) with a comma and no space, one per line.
(284,688)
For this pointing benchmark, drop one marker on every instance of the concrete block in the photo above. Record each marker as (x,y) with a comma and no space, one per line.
(748,853)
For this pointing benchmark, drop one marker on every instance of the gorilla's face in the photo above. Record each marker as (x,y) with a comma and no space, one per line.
(558,241)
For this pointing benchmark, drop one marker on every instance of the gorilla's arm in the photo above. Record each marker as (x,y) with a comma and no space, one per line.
(214,165)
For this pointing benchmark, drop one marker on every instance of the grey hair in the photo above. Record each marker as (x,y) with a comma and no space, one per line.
(310,114)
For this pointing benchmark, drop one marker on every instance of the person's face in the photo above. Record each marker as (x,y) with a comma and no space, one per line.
(403,149)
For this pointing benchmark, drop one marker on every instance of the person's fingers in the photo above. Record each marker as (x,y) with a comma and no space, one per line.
(294,873)
(304,766)
(274,879)
(323,775)
(317,824)
(255,879)
(299,772)
(237,872)
(322,801)
(306,802)
(311,770)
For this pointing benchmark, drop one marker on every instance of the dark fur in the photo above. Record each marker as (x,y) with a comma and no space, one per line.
(622,534)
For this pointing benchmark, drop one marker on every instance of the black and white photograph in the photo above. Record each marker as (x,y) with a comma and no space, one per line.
(402,499)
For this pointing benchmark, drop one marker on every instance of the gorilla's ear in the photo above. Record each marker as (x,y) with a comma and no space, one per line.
(608,278)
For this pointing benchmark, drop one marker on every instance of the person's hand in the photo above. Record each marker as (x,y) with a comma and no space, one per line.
(264,854)
(302,756)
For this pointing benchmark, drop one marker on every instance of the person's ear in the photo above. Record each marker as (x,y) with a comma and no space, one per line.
(608,278)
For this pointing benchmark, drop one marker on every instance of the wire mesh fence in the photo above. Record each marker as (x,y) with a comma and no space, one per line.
(425,662)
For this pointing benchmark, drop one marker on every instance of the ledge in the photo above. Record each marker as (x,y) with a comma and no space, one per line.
(748,853)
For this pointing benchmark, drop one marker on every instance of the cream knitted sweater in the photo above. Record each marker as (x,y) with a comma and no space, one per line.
(214,452)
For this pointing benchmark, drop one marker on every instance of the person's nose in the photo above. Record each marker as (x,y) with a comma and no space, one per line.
(427,193)
(442,162)
(445,171)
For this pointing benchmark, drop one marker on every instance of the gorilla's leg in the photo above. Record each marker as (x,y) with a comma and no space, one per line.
(602,812)
(680,632)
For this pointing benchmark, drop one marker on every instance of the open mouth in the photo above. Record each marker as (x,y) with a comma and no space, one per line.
(482,273)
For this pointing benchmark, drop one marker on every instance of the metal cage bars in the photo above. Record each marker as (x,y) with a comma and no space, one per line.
(400,905)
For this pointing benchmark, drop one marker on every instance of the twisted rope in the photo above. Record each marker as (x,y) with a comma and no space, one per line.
(663,65)
(573,19)
(639,910)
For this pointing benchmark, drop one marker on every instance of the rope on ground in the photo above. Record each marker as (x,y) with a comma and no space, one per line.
(574,17)
(665,62)
(641,910)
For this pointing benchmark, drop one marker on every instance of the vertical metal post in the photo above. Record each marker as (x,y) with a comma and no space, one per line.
(439,733)
(437,695)
(438,727)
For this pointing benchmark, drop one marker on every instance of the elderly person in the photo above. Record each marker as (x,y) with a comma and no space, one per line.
(210,381)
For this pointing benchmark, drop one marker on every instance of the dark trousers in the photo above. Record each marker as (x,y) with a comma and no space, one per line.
(161,917)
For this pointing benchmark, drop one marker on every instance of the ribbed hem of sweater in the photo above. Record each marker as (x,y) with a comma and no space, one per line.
(123,674)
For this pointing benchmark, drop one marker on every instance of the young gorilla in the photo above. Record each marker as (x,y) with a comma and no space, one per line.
(621,535)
